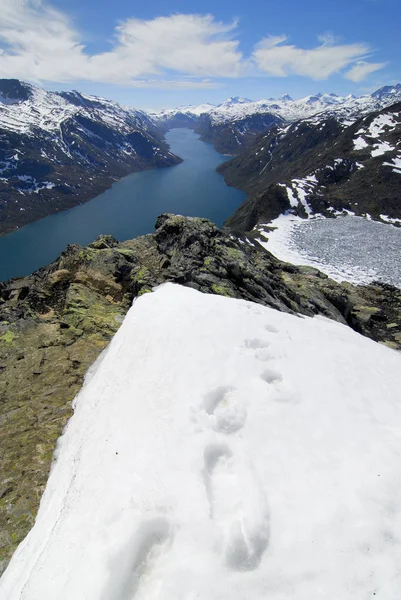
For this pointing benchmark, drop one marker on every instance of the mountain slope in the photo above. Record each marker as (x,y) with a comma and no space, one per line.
(59,150)
(215,453)
(233,125)
(318,166)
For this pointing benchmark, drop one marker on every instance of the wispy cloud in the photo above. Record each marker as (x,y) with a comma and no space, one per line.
(40,43)
(279,59)
(362,69)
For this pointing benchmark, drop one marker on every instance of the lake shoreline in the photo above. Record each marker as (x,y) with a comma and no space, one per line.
(128,207)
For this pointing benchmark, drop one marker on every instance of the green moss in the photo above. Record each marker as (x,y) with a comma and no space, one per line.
(222,290)
(234,254)
(86,255)
(126,252)
(144,290)
(8,337)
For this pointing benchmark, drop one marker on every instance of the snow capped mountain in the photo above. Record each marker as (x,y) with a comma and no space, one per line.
(234,124)
(60,149)
(291,110)
(388,91)
(25,108)
(322,166)
(222,450)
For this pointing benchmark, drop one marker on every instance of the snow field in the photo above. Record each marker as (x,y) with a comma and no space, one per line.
(223,450)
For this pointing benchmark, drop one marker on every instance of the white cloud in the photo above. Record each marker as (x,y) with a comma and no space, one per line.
(278,59)
(39,43)
(362,69)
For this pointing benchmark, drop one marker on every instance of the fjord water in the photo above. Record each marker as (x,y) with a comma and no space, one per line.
(129,208)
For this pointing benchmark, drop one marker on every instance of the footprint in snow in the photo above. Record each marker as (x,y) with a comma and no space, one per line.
(256,344)
(271,376)
(225,409)
(271,328)
(136,573)
(237,506)
(279,390)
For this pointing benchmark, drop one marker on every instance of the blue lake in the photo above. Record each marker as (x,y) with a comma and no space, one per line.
(129,208)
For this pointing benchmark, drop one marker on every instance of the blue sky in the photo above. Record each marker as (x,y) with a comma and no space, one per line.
(162,54)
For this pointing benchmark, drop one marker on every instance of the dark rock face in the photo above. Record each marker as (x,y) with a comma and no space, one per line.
(235,136)
(341,175)
(54,323)
(14,91)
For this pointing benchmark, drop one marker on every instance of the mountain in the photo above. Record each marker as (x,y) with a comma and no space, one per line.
(320,166)
(387,91)
(233,125)
(61,149)
(56,322)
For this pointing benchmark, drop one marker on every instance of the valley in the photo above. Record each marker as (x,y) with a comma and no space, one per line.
(166,257)
(129,208)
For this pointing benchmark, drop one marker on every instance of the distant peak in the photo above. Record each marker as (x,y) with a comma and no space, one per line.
(14,91)
(286,98)
(387,90)
(235,100)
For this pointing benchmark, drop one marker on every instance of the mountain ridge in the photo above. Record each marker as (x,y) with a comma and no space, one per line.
(318,166)
(234,124)
(58,150)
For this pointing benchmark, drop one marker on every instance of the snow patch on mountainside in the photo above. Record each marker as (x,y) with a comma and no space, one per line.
(396,164)
(371,135)
(222,450)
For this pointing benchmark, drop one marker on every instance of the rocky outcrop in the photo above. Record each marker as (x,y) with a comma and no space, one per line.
(54,324)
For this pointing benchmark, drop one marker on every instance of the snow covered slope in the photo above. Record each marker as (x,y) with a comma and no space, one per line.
(223,450)
(59,149)
(235,122)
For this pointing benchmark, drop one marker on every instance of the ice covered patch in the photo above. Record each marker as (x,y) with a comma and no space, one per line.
(222,450)
(348,248)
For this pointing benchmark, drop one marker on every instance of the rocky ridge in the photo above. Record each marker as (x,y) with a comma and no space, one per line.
(54,324)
